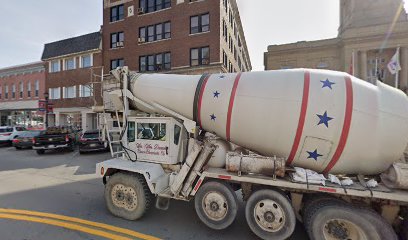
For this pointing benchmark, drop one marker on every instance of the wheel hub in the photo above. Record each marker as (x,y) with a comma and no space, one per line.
(215,206)
(124,197)
(269,215)
(337,230)
(344,230)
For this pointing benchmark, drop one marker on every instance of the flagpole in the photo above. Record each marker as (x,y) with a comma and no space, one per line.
(397,74)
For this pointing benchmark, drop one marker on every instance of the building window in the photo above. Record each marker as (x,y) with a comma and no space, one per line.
(70,64)
(6,92)
(200,23)
(224,59)
(115,63)
(86,61)
(117,13)
(1,91)
(21,89)
(200,56)
(148,6)
(29,89)
(69,92)
(55,66)
(117,39)
(13,91)
(37,88)
(155,32)
(158,62)
(85,90)
(54,93)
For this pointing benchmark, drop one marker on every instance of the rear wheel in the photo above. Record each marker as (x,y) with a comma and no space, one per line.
(216,205)
(270,215)
(334,220)
(40,151)
(127,196)
(18,148)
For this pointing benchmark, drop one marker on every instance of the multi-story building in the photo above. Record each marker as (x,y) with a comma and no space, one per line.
(21,88)
(370,30)
(177,36)
(73,71)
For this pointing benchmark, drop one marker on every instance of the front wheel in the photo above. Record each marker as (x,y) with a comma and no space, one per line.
(270,215)
(216,205)
(127,196)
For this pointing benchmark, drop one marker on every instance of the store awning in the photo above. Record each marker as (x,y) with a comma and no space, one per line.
(19,105)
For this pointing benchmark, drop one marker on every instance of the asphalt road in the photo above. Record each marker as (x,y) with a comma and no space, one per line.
(64,183)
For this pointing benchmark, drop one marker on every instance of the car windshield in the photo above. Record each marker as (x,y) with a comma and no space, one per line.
(31,134)
(91,135)
(3,130)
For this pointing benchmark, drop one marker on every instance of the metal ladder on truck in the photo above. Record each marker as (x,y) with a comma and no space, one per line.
(119,151)
(115,146)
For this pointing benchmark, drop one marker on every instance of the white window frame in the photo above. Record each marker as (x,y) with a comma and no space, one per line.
(52,93)
(50,66)
(82,91)
(65,92)
(21,90)
(36,88)
(81,60)
(65,60)
(29,89)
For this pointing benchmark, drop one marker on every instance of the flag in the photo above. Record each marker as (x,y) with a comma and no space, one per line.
(394,65)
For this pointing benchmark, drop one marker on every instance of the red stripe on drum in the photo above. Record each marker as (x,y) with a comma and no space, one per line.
(302,118)
(346,126)
(200,100)
(231,106)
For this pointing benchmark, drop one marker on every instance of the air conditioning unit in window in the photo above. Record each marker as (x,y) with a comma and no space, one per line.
(142,40)
(140,10)
(119,44)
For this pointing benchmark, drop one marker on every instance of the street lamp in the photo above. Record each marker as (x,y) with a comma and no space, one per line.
(46,96)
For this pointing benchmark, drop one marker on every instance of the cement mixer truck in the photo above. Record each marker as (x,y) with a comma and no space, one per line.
(317,146)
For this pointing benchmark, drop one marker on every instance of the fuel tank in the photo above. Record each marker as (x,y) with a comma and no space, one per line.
(322,120)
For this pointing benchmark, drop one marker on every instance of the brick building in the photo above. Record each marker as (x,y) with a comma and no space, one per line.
(73,69)
(177,36)
(21,88)
(372,30)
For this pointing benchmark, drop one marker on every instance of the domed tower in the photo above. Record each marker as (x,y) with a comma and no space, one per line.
(357,13)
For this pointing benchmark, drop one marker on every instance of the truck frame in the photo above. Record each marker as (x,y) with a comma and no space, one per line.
(165,157)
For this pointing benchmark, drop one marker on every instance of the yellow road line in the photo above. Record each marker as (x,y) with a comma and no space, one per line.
(64,225)
(78,220)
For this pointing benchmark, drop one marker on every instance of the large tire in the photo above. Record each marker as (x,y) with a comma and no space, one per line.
(18,148)
(216,204)
(40,151)
(383,228)
(310,204)
(127,196)
(335,220)
(270,215)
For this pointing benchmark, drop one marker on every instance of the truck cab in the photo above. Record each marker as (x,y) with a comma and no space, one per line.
(160,140)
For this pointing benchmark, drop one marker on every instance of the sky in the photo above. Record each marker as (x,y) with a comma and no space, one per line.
(27,25)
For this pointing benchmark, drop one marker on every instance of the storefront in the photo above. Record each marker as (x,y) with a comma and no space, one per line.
(22,113)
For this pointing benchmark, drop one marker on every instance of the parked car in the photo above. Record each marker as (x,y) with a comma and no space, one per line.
(92,141)
(55,138)
(7,134)
(25,140)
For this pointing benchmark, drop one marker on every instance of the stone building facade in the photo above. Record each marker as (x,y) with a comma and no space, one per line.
(21,89)
(177,36)
(371,30)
